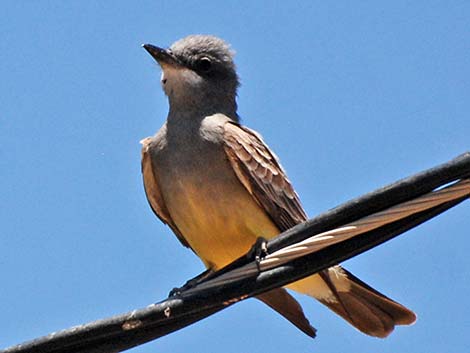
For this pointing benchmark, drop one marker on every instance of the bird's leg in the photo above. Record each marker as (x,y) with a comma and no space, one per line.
(191,283)
(258,251)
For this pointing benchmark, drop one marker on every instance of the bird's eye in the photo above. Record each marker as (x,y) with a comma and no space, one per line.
(204,64)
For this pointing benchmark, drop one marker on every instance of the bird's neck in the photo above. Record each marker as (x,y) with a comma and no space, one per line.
(193,108)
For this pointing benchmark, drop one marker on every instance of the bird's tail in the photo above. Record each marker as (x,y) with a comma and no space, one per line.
(362,306)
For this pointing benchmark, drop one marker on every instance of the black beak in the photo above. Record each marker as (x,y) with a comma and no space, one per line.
(162,56)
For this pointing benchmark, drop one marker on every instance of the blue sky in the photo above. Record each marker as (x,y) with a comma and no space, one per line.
(351,96)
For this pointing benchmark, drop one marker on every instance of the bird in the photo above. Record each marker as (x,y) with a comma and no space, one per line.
(219,187)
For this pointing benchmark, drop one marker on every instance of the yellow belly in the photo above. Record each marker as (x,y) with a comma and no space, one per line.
(219,222)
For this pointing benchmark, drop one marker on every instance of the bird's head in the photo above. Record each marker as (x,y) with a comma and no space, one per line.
(198,73)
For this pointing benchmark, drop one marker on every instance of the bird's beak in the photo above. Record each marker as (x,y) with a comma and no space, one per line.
(162,56)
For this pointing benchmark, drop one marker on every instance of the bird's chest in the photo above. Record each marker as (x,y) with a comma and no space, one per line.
(193,168)
(217,216)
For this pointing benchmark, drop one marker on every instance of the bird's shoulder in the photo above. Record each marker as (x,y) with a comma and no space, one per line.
(156,142)
(212,128)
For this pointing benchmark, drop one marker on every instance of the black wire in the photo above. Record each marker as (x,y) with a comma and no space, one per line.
(124,331)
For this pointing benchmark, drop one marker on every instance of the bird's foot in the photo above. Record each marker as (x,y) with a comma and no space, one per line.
(258,251)
(190,283)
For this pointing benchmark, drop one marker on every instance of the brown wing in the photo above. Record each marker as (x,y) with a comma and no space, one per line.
(286,305)
(259,171)
(152,190)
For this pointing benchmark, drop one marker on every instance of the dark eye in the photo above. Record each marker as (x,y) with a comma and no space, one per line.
(204,64)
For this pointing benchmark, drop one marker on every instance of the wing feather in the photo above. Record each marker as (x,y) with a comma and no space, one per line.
(153,193)
(259,170)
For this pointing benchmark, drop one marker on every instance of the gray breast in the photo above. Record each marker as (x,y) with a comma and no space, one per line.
(191,155)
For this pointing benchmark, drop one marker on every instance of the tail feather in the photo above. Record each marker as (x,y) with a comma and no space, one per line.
(400,314)
(363,315)
(362,306)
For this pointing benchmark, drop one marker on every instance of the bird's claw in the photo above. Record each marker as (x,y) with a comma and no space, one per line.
(190,283)
(258,251)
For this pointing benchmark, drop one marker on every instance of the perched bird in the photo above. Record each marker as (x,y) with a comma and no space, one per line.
(219,187)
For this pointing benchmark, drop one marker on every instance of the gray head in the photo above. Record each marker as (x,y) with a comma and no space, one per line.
(199,75)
